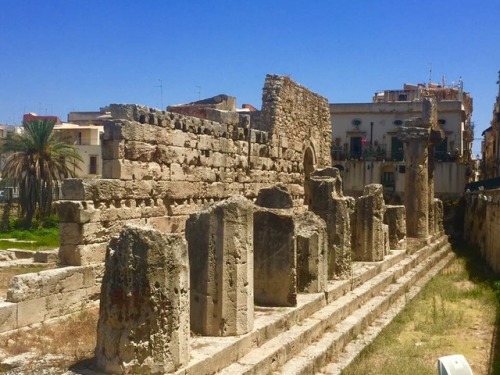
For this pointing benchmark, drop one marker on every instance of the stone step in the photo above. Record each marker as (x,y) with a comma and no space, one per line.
(276,351)
(341,345)
(350,352)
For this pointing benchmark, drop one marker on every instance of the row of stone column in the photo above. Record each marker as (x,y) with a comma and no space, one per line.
(240,254)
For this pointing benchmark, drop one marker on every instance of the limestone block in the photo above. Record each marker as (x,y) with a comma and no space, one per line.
(78,255)
(438,215)
(395,218)
(46,256)
(110,169)
(168,224)
(178,190)
(144,308)
(368,233)
(135,131)
(206,142)
(335,210)
(275,268)
(179,138)
(140,151)
(202,174)
(220,242)
(180,155)
(227,146)
(387,246)
(76,189)
(113,149)
(8,316)
(177,172)
(49,282)
(153,211)
(71,233)
(136,189)
(64,303)
(123,111)
(312,250)
(76,211)
(31,311)
(221,190)
(276,196)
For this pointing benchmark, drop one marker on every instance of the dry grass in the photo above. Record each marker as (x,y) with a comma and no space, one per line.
(455,314)
(64,342)
(7,273)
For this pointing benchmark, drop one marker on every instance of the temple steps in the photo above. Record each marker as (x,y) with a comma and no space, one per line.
(306,338)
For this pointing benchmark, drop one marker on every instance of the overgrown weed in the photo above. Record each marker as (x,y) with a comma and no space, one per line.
(455,312)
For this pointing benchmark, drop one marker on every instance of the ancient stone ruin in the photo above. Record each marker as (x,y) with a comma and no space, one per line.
(227,240)
(144,312)
(159,167)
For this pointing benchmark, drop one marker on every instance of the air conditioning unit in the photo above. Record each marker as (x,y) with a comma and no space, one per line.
(454,365)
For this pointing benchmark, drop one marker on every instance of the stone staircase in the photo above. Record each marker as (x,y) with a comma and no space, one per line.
(326,331)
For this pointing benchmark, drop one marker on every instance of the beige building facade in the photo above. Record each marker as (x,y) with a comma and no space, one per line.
(86,139)
(367,148)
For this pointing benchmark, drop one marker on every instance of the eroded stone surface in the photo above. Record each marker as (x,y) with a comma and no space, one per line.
(221,257)
(395,218)
(368,235)
(327,202)
(276,196)
(144,309)
(312,253)
(275,268)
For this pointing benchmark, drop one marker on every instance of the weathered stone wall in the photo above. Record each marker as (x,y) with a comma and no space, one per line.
(37,297)
(159,167)
(482,220)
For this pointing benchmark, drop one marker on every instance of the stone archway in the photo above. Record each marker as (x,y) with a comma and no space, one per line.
(309,161)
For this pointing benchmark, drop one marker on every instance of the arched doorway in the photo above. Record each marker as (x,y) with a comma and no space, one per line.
(308,169)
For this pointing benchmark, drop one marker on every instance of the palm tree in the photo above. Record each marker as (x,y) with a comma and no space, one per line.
(40,159)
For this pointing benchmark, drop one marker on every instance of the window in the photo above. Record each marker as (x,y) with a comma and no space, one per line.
(93,165)
(356,123)
(402,97)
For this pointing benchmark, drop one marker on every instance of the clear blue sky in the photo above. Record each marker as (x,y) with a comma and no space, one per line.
(69,55)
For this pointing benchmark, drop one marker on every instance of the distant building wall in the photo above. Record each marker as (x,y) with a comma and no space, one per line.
(450,178)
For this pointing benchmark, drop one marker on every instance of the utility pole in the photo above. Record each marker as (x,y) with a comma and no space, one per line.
(161,93)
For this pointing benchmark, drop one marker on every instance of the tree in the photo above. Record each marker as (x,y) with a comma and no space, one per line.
(40,159)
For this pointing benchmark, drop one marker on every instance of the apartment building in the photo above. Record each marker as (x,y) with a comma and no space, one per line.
(367,149)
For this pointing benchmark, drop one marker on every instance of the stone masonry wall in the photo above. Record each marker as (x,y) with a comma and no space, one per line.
(37,297)
(159,167)
(482,220)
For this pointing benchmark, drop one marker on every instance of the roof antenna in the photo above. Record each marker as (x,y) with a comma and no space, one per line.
(498,83)
(430,74)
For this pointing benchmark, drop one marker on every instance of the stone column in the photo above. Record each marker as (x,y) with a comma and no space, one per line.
(430,120)
(312,248)
(275,277)
(416,196)
(395,218)
(221,257)
(144,309)
(439,216)
(369,230)
(327,201)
